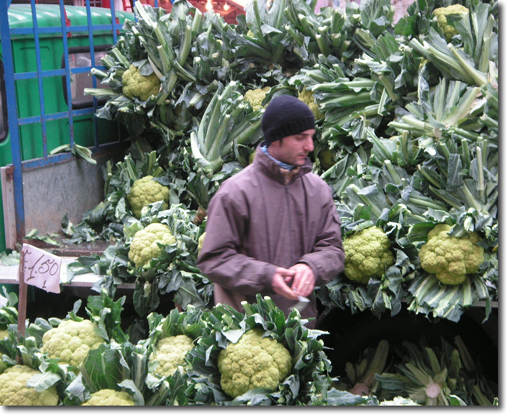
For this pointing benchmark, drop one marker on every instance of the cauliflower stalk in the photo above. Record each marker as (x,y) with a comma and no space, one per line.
(15,392)
(71,341)
(145,191)
(307,96)
(368,254)
(441,15)
(109,397)
(145,246)
(253,362)
(139,86)
(256,96)
(451,258)
(170,353)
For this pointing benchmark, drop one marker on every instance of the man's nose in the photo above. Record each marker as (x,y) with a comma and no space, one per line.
(309,145)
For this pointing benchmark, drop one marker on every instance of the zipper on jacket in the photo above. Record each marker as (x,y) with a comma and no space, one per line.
(287,195)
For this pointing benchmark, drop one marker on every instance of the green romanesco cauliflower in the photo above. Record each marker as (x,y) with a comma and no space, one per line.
(145,191)
(307,96)
(368,254)
(139,86)
(326,158)
(451,258)
(441,15)
(256,96)
(253,362)
(144,246)
(71,341)
(109,397)
(170,353)
(15,392)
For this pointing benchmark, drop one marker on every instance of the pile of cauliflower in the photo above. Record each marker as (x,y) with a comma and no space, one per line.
(109,397)
(307,96)
(256,96)
(170,353)
(441,14)
(368,254)
(71,341)
(450,258)
(253,362)
(145,244)
(145,191)
(15,392)
(136,85)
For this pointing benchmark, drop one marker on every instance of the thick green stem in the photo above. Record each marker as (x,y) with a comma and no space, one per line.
(478,77)
(391,170)
(480,182)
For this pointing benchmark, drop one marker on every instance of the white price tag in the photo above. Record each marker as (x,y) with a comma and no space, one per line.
(41,269)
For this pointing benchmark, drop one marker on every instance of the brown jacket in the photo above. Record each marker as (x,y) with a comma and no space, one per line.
(263,218)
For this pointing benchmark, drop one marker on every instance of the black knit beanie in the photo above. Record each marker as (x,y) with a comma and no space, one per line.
(286,115)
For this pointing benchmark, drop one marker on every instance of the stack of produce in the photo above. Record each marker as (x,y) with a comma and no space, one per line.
(217,357)
(407,119)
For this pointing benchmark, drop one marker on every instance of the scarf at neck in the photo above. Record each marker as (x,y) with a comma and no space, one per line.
(281,163)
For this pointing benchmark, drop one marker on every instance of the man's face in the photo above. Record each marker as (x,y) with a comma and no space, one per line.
(293,149)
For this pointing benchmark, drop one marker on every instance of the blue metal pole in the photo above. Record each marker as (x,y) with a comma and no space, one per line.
(67,70)
(12,117)
(39,77)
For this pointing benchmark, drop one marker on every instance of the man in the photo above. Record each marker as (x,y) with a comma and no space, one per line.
(273,228)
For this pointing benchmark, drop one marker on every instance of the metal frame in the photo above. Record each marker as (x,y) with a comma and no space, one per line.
(12,106)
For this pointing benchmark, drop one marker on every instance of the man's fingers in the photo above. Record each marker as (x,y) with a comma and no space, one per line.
(280,287)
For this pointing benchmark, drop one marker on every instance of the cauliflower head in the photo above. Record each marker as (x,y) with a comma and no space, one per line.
(201,239)
(71,341)
(368,254)
(145,191)
(170,353)
(451,258)
(441,15)
(253,362)
(15,392)
(326,158)
(307,96)
(256,96)
(109,397)
(144,246)
(139,86)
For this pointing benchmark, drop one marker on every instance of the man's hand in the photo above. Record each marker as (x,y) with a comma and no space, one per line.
(280,279)
(304,279)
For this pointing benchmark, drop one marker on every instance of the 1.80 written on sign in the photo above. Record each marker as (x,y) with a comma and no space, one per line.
(41,269)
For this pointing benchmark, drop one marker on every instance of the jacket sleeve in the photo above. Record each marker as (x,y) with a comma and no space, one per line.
(220,259)
(327,258)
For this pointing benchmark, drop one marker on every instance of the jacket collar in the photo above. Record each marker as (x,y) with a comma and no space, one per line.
(273,169)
